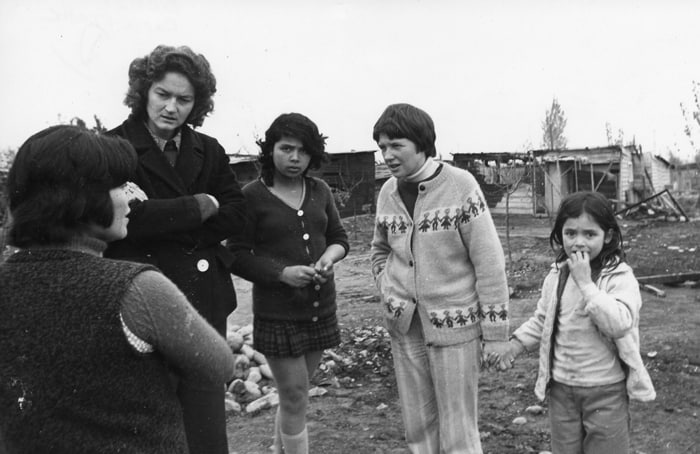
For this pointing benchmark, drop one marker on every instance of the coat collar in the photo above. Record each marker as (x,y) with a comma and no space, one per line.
(189,162)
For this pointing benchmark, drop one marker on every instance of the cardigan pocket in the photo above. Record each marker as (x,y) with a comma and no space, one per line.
(392,305)
(398,312)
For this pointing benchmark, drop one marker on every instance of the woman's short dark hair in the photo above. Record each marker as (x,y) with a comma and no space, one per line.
(404,121)
(144,71)
(599,208)
(295,126)
(59,183)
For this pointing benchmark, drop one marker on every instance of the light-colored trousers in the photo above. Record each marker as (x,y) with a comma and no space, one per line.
(438,392)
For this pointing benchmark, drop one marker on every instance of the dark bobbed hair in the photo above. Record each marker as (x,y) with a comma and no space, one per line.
(144,71)
(404,121)
(59,184)
(295,126)
(599,208)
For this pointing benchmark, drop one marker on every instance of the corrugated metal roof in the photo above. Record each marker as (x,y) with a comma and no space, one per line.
(602,155)
(236,158)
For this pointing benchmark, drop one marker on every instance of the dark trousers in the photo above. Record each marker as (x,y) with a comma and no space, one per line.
(205,417)
(204,411)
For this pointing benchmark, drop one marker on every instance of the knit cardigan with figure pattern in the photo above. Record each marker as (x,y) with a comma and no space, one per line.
(446,262)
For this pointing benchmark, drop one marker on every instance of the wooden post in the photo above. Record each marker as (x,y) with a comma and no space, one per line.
(534,184)
(602,177)
(559,180)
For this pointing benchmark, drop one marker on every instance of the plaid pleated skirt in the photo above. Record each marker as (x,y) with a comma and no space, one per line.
(291,339)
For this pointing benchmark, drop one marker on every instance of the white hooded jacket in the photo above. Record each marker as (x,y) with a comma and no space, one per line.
(617,325)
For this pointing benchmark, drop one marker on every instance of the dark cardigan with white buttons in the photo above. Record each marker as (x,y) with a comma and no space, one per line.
(277,236)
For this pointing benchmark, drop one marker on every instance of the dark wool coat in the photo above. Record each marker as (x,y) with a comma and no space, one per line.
(167,231)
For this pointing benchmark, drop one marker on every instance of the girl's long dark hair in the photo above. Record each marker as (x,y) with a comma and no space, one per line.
(599,208)
(297,126)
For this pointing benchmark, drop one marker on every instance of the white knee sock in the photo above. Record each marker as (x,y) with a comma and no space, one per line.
(296,444)
(277,447)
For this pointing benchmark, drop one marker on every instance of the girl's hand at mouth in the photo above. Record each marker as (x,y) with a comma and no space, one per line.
(580,267)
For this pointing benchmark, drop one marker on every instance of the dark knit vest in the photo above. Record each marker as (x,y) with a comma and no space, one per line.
(69,380)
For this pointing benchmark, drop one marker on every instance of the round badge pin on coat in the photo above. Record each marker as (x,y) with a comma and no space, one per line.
(203,265)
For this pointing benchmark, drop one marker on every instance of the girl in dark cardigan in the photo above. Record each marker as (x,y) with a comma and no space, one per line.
(293,238)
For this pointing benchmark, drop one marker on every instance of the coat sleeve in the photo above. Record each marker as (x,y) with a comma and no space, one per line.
(530,332)
(232,208)
(155,217)
(179,218)
(486,254)
(614,305)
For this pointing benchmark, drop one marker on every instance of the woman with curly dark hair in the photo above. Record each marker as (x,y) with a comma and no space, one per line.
(293,238)
(189,202)
(180,62)
(86,343)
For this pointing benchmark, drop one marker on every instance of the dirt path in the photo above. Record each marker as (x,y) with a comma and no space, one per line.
(359,413)
(243,314)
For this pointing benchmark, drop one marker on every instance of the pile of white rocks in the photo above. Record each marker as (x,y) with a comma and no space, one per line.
(252,388)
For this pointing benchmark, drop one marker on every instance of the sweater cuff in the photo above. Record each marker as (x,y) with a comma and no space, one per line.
(494,332)
(589,291)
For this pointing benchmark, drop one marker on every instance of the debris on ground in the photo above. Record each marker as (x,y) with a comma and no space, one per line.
(659,206)
(363,351)
(653,290)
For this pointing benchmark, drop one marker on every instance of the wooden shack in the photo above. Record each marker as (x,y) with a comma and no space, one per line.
(653,176)
(685,178)
(538,180)
(506,179)
(245,166)
(608,170)
(350,176)
(624,174)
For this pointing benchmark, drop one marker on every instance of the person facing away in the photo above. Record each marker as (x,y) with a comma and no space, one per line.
(86,342)
(437,284)
(586,325)
(189,202)
(292,240)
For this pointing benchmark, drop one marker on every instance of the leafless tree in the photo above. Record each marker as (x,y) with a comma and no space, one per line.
(510,177)
(553,127)
(344,192)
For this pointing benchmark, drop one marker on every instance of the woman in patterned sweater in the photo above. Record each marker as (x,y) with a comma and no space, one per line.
(439,267)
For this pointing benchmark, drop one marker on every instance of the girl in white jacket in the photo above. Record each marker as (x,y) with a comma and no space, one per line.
(587,327)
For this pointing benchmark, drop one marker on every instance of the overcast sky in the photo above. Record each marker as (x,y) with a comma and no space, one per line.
(486,71)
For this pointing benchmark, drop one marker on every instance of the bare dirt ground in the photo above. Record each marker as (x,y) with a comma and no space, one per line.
(360,413)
